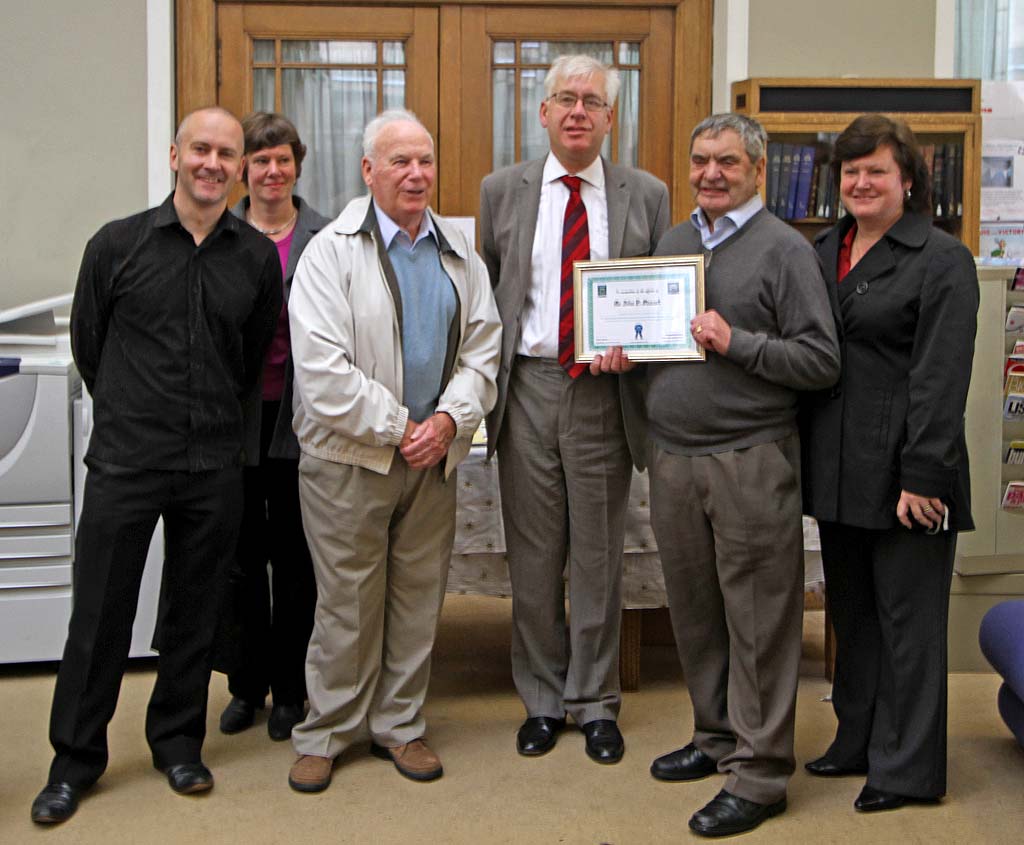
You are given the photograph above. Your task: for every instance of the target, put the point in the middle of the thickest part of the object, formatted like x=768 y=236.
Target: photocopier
x=45 y=422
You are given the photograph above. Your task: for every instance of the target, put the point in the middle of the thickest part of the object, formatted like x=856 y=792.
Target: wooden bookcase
x=812 y=112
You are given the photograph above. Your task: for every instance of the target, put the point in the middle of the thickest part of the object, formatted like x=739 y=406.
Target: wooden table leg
x=629 y=649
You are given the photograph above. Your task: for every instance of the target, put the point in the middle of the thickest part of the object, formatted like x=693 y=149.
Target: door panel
x=454 y=72
x=329 y=70
x=505 y=47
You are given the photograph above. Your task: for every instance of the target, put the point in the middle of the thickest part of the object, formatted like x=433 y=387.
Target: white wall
x=72 y=137
x=840 y=38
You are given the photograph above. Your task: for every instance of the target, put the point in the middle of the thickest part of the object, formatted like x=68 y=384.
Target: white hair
x=580 y=66
x=383 y=119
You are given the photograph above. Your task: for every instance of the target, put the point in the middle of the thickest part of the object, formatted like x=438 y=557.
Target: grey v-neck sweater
x=766 y=282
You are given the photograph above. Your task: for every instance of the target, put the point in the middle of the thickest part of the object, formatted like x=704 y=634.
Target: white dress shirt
x=539 y=338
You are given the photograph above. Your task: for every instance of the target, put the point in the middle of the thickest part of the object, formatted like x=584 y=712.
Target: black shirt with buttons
x=169 y=337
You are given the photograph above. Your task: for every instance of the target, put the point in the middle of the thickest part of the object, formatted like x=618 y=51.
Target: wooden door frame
x=196 y=50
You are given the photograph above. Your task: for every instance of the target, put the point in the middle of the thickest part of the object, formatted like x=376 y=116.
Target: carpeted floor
x=489 y=793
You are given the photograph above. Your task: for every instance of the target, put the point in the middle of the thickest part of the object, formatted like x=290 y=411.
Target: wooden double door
x=472 y=72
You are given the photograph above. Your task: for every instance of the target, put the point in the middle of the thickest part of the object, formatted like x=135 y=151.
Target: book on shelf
x=771 y=193
x=1015 y=453
x=1013 y=497
x=1015 y=319
x=785 y=172
x=1013 y=407
x=938 y=174
x=1014 y=383
x=948 y=182
x=791 y=184
x=958 y=180
x=805 y=171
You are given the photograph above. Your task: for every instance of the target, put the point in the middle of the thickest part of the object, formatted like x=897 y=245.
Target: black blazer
x=283 y=444
x=895 y=420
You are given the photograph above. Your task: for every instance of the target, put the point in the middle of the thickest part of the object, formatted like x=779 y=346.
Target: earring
x=907 y=194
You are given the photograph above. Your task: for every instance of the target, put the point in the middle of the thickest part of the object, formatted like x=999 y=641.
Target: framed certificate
x=644 y=305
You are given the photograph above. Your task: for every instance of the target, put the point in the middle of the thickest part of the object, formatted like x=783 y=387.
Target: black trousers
x=888 y=598
x=271 y=618
x=201 y=512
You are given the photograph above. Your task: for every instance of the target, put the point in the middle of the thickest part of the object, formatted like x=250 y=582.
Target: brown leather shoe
x=415 y=760
x=310 y=773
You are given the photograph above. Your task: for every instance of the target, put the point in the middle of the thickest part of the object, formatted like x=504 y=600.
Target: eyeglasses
x=568 y=100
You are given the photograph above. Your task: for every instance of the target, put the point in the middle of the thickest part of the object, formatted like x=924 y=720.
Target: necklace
x=276 y=231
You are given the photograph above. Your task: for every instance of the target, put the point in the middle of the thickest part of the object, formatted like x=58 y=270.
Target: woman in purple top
x=269 y=618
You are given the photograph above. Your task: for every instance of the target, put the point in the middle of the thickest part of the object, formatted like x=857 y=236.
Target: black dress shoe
x=56 y=802
x=872 y=800
x=727 y=814
x=284 y=717
x=538 y=735
x=189 y=778
x=689 y=763
x=238 y=715
x=604 y=742
x=825 y=768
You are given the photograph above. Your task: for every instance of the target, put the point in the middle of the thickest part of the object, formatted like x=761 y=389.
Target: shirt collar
x=389 y=229
x=167 y=215
x=592 y=174
x=738 y=216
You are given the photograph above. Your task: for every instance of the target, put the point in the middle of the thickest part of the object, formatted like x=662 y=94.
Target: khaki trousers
x=381 y=546
x=730 y=538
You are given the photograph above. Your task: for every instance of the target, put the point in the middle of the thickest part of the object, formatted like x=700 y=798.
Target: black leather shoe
x=604 y=742
x=872 y=800
x=538 y=735
x=284 y=717
x=825 y=768
x=56 y=802
x=689 y=763
x=727 y=814
x=238 y=715
x=189 y=778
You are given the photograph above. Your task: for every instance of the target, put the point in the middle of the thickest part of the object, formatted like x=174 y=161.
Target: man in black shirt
x=173 y=310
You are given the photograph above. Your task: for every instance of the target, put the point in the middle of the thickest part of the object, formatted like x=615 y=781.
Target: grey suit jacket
x=283 y=444
x=638 y=215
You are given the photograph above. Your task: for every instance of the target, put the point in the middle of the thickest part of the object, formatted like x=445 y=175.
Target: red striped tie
x=575 y=247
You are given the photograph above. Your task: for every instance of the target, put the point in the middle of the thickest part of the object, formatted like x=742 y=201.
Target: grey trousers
x=381 y=545
x=730 y=537
x=564 y=470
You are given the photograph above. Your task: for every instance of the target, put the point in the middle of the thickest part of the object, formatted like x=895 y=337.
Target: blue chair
x=1002 y=642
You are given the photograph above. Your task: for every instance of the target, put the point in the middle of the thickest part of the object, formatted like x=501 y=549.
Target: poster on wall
x=1002 y=152
x=1002 y=179
x=1002 y=243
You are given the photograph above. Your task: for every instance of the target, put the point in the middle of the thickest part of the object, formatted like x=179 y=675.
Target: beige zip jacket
x=344 y=316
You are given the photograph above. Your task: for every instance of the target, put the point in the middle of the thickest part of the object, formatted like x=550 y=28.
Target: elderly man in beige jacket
x=395 y=339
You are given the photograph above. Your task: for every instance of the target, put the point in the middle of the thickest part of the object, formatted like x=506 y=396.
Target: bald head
x=206 y=110
x=207 y=156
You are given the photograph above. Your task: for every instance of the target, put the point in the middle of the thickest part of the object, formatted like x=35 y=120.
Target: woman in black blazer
x=268 y=620
x=885 y=464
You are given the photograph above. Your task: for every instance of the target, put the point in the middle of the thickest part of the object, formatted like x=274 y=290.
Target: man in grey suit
x=558 y=430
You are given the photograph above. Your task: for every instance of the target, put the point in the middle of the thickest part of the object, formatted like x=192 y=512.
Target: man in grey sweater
x=725 y=477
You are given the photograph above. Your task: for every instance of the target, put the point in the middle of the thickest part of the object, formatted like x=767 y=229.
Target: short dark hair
x=869 y=132
x=268 y=129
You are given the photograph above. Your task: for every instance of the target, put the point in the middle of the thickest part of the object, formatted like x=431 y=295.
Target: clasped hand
x=425 y=444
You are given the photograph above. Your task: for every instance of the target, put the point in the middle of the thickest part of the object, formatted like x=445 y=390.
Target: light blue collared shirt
x=389 y=229
x=727 y=225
